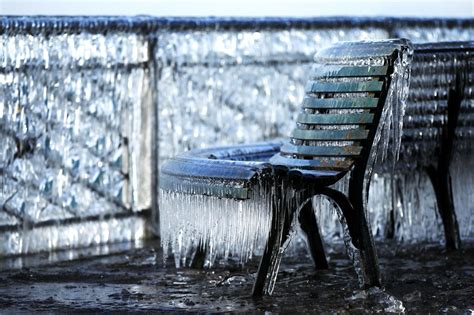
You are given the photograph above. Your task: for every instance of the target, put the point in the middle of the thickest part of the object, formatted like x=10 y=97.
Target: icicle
x=227 y=226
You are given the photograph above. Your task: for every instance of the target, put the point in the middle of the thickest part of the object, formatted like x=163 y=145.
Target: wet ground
x=418 y=279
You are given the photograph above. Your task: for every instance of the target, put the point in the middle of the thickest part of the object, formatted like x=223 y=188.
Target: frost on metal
x=73 y=137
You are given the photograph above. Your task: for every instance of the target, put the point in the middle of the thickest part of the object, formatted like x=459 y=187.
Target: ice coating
x=80 y=234
x=227 y=226
x=185 y=227
x=401 y=205
x=433 y=75
x=73 y=131
x=373 y=54
x=212 y=84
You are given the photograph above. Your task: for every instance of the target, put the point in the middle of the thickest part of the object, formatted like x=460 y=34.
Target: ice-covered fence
x=79 y=98
x=76 y=114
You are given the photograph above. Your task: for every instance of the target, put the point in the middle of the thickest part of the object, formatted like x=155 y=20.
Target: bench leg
x=282 y=218
x=362 y=249
x=440 y=176
x=369 y=266
x=309 y=225
x=441 y=181
x=270 y=253
x=199 y=258
x=369 y=272
x=368 y=256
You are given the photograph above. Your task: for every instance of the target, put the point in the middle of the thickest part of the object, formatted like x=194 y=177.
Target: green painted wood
x=354 y=134
x=348 y=71
x=344 y=87
x=336 y=119
x=321 y=150
x=340 y=103
x=313 y=163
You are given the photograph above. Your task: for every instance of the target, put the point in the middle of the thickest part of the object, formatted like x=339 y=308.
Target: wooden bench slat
x=336 y=119
x=344 y=87
x=339 y=103
x=348 y=71
x=313 y=163
x=353 y=134
x=321 y=150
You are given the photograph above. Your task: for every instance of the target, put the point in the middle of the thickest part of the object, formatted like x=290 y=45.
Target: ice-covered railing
x=216 y=81
x=75 y=132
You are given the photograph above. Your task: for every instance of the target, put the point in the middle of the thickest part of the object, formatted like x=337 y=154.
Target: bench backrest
x=342 y=108
x=437 y=69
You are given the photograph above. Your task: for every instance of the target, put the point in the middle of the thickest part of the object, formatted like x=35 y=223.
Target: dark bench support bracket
x=283 y=215
x=309 y=225
x=439 y=174
x=286 y=207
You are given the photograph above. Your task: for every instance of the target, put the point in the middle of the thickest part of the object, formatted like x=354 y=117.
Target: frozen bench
x=336 y=135
x=439 y=121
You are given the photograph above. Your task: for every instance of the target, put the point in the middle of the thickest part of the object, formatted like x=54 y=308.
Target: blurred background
x=408 y=8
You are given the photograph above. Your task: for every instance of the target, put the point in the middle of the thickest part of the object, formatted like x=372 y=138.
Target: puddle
x=136 y=280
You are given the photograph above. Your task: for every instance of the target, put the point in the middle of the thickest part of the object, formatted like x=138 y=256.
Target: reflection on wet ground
x=418 y=278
